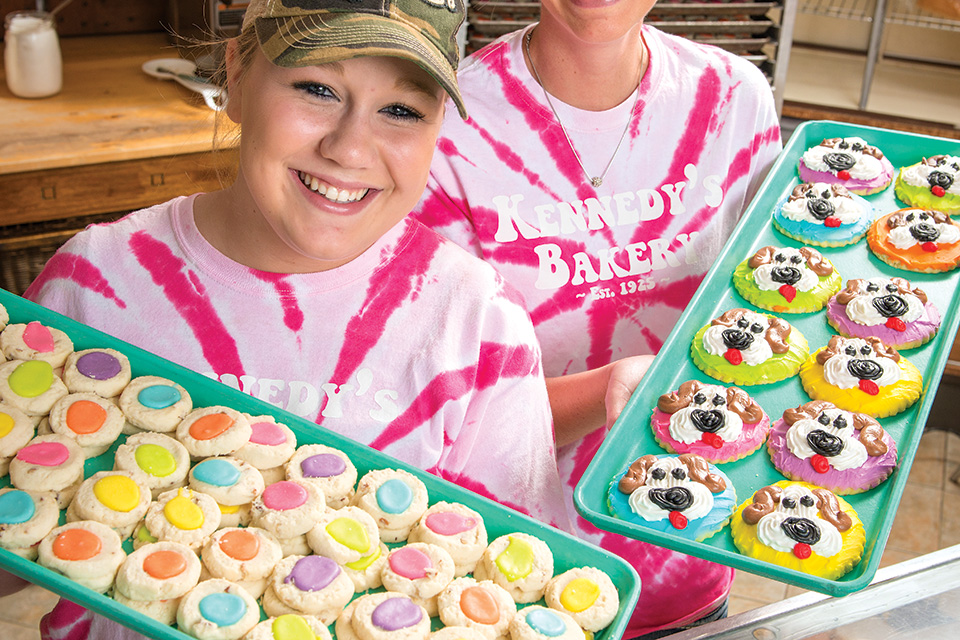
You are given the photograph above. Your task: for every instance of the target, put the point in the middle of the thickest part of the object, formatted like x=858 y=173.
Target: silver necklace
x=596 y=181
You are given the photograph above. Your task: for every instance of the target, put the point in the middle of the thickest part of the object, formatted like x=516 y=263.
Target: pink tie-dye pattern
x=181 y=289
x=292 y=313
x=69 y=266
x=67 y=621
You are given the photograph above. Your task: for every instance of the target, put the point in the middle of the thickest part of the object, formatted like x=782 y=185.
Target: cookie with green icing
x=787 y=280
x=933 y=183
x=746 y=347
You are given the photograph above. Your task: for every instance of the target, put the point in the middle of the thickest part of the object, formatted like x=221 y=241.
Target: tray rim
x=594 y=477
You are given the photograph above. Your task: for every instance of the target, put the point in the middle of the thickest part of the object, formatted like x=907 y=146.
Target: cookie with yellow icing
x=114 y=498
x=916 y=240
x=933 y=183
x=520 y=563
x=862 y=374
x=184 y=516
x=786 y=280
x=745 y=347
x=289 y=626
x=682 y=495
x=587 y=595
x=16 y=430
x=31 y=386
x=843 y=451
x=800 y=526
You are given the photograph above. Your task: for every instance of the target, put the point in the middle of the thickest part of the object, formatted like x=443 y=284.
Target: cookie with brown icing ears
x=916 y=240
x=851 y=162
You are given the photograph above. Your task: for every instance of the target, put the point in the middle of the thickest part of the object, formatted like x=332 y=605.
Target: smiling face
x=331 y=157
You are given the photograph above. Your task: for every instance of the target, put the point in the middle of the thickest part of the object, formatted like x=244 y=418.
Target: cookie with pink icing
x=288 y=508
x=456 y=528
x=721 y=424
x=891 y=309
x=49 y=463
x=419 y=570
x=35 y=341
x=844 y=451
x=852 y=162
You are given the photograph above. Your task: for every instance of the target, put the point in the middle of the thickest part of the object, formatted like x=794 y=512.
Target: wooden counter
x=114 y=139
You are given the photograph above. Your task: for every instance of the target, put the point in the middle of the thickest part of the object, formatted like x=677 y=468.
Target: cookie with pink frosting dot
x=35 y=341
x=456 y=528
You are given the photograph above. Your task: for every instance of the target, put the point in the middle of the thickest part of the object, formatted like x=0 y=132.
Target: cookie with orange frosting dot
x=481 y=605
x=49 y=463
x=916 y=240
x=213 y=431
x=114 y=498
x=520 y=563
x=31 y=386
x=94 y=422
x=87 y=552
x=25 y=518
x=244 y=555
x=154 y=578
x=313 y=585
x=155 y=459
x=587 y=595
x=153 y=403
x=35 y=341
x=105 y=372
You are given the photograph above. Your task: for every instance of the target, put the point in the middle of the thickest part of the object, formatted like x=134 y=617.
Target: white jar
x=32 y=58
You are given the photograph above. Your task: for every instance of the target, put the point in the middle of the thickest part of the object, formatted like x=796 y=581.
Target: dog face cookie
x=680 y=494
x=933 y=183
x=823 y=214
x=891 y=309
x=917 y=240
x=861 y=374
x=800 y=526
x=852 y=162
x=746 y=347
x=844 y=451
x=787 y=280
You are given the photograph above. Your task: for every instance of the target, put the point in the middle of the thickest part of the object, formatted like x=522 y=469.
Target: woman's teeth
x=330 y=192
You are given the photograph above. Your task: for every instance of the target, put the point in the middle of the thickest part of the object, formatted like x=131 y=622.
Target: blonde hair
x=226 y=134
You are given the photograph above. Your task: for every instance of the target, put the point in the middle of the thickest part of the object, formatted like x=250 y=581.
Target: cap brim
x=315 y=39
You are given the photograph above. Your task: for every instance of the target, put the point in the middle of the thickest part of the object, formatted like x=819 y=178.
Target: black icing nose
x=801 y=530
x=826 y=444
x=737 y=339
x=940 y=179
x=785 y=275
x=864 y=369
x=925 y=232
x=839 y=161
x=707 y=421
x=671 y=498
x=890 y=306
x=820 y=209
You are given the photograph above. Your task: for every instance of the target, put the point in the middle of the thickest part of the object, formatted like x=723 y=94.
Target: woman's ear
x=234 y=68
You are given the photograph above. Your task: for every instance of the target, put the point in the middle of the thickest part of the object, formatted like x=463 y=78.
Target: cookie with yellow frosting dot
x=587 y=595
x=520 y=563
x=16 y=430
x=114 y=498
x=184 y=516
x=787 y=280
x=289 y=627
x=346 y=535
x=745 y=347
x=863 y=375
x=800 y=526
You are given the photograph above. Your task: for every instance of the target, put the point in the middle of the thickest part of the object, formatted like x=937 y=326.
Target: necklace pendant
x=596 y=182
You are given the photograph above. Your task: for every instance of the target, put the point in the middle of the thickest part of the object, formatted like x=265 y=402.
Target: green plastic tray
x=568 y=551
x=632 y=437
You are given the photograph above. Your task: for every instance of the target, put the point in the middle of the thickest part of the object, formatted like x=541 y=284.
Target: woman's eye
x=400 y=112
x=315 y=89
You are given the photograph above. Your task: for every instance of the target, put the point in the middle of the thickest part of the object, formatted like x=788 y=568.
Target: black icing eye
x=955 y=166
x=678 y=473
x=718 y=400
x=865 y=350
x=779 y=258
x=850 y=351
x=699 y=398
x=824 y=419
x=796 y=259
x=924 y=217
x=856 y=146
x=806 y=501
x=892 y=288
x=826 y=195
x=789 y=503
x=910 y=217
x=658 y=474
x=873 y=287
x=756 y=327
x=742 y=323
x=840 y=422
x=843 y=145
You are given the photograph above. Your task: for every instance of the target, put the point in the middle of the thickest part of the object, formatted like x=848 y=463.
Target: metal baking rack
x=758 y=31
x=878 y=13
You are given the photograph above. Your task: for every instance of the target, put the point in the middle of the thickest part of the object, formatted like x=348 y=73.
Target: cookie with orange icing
x=800 y=526
x=719 y=423
x=244 y=555
x=87 y=552
x=154 y=578
x=916 y=240
x=862 y=374
x=213 y=431
x=94 y=422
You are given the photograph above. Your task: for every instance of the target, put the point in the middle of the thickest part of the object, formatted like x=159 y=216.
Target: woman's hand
x=625 y=375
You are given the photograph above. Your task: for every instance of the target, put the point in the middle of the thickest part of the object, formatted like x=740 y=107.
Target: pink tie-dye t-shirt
x=607 y=271
x=415 y=347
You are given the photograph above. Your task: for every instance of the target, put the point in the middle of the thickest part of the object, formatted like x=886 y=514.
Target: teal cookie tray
x=568 y=551
x=632 y=437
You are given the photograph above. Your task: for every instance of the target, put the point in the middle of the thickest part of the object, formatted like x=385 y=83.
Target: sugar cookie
x=152 y=403
x=536 y=622
x=25 y=518
x=31 y=386
x=481 y=605
x=346 y=534
x=454 y=527
x=155 y=459
x=289 y=627
x=16 y=430
x=49 y=463
x=114 y=498
x=154 y=578
x=288 y=508
x=313 y=585
x=242 y=555
x=87 y=552
x=395 y=498
x=217 y=610
x=328 y=468
x=270 y=446
x=419 y=570
x=94 y=422
x=228 y=480
x=587 y=595
x=389 y=616
x=105 y=372
x=213 y=431
x=36 y=341
x=520 y=563
x=366 y=573
x=184 y=516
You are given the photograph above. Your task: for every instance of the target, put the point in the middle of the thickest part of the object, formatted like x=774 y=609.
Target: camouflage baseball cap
x=296 y=33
